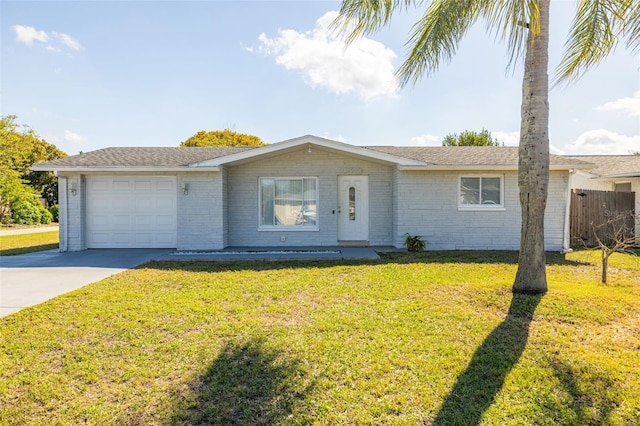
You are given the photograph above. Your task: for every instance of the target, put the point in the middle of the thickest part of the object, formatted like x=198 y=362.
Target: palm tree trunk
x=533 y=163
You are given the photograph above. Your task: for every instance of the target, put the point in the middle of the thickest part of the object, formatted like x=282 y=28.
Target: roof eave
x=313 y=141
x=620 y=176
x=472 y=167
x=122 y=169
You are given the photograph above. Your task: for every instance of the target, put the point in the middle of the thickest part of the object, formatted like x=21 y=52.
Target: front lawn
x=433 y=339
x=11 y=245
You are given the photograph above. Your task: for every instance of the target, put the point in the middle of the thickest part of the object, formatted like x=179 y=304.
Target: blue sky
x=87 y=75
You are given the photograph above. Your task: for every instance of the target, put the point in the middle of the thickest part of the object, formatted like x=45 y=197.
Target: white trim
x=125 y=169
x=474 y=167
x=291 y=228
x=566 y=234
x=313 y=141
x=482 y=207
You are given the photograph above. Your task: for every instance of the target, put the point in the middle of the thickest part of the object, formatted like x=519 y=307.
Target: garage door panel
x=143 y=239
x=164 y=238
x=121 y=185
x=164 y=186
x=101 y=203
x=99 y=220
x=143 y=185
x=144 y=220
x=131 y=211
x=165 y=220
x=121 y=220
x=122 y=238
x=99 y=185
x=120 y=203
x=100 y=238
x=144 y=202
x=165 y=202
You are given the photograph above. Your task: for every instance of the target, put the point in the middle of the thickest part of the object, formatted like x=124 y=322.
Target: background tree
x=470 y=138
x=617 y=235
x=224 y=137
x=524 y=24
x=21 y=148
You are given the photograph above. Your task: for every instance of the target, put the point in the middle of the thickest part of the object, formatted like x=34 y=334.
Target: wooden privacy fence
x=592 y=209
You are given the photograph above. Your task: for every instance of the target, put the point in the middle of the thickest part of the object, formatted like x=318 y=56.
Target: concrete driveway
x=30 y=279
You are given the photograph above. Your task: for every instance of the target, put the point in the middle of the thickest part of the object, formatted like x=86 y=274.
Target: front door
x=353 y=208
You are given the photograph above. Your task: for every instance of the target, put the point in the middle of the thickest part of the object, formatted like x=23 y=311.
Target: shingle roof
x=611 y=165
x=144 y=157
x=183 y=156
x=468 y=155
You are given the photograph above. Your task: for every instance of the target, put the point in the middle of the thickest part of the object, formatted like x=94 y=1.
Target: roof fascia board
x=313 y=140
x=619 y=176
x=465 y=167
x=124 y=169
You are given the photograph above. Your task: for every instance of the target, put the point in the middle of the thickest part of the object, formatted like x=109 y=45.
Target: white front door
x=353 y=208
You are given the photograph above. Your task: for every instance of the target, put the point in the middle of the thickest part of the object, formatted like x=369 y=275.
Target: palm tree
x=524 y=24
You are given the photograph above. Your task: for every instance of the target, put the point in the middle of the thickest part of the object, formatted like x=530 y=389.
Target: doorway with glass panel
x=353 y=210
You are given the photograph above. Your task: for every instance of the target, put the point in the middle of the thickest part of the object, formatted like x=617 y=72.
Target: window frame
x=480 y=206
x=295 y=228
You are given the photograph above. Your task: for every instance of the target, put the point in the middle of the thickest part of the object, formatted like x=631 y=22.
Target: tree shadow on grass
x=477 y=387
x=587 y=396
x=247 y=384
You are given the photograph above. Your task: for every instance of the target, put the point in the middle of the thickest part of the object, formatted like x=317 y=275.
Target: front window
x=288 y=203
x=481 y=192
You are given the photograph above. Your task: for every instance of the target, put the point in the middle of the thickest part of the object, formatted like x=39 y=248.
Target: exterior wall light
x=74 y=190
x=185 y=188
x=309 y=149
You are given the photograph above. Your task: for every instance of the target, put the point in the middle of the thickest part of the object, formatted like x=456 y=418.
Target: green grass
x=435 y=338
x=11 y=245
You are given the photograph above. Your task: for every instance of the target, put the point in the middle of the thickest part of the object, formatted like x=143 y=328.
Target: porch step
x=353 y=243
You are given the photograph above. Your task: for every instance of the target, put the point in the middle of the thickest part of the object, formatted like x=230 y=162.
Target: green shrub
x=414 y=243
x=27 y=209
x=45 y=216
x=54 y=210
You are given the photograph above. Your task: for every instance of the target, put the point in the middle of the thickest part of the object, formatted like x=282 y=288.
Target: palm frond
x=512 y=20
x=592 y=36
x=363 y=17
x=434 y=38
x=631 y=30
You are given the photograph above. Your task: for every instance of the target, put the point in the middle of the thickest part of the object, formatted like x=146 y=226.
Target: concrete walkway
x=276 y=253
x=19 y=231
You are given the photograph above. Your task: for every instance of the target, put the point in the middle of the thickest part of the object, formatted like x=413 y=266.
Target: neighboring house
x=617 y=173
x=307 y=191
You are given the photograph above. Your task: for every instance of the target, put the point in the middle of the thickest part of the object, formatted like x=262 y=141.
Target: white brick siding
x=242 y=193
x=221 y=208
x=201 y=211
x=427 y=205
x=580 y=180
x=71 y=212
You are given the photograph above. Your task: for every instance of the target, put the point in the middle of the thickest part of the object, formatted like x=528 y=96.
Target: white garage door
x=131 y=212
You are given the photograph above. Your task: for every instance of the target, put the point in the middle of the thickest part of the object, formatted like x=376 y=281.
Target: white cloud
x=426 y=140
x=74 y=138
x=338 y=138
x=604 y=142
x=629 y=106
x=365 y=67
x=28 y=35
x=55 y=42
x=508 y=138
x=68 y=41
